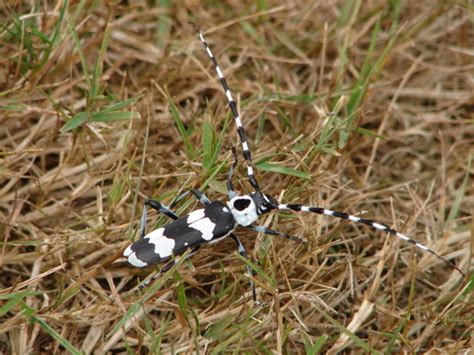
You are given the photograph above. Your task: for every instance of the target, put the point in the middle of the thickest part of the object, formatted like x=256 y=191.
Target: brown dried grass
x=70 y=201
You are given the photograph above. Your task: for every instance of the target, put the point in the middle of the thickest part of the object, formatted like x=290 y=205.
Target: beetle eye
x=241 y=204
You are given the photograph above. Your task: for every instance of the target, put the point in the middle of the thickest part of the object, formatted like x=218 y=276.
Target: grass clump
x=354 y=106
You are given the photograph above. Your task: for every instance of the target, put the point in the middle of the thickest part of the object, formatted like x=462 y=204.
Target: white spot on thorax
x=248 y=215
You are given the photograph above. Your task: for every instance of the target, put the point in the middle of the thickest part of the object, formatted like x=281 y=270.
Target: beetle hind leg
x=158 y=206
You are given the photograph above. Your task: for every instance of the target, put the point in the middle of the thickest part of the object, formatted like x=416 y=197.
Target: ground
x=364 y=107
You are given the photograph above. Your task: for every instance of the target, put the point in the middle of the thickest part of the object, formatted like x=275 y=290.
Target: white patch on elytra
x=195 y=215
x=163 y=246
x=132 y=259
x=205 y=226
x=157 y=233
x=248 y=215
x=128 y=251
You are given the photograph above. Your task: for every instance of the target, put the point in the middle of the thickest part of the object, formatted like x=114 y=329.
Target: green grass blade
x=151 y=290
x=190 y=151
x=469 y=286
x=114 y=116
x=116 y=192
x=218 y=145
x=268 y=280
x=216 y=331
x=75 y=122
x=349 y=9
x=56 y=35
x=156 y=343
x=316 y=347
x=108 y=114
x=367 y=68
x=461 y=194
x=42 y=36
x=96 y=89
x=164 y=23
x=355 y=339
x=181 y=297
x=14 y=107
x=207 y=145
x=82 y=56
x=30 y=313
x=275 y=168
x=369 y=133
x=120 y=104
x=14 y=299
x=212 y=175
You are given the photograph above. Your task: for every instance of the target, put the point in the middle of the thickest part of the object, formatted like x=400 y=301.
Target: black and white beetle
x=218 y=220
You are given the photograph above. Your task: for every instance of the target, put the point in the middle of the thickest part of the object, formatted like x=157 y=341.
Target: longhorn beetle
x=218 y=220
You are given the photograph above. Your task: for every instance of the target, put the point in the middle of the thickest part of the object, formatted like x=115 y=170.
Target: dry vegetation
x=365 y=107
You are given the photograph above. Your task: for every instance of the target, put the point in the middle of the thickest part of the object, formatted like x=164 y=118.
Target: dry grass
x=396 y=147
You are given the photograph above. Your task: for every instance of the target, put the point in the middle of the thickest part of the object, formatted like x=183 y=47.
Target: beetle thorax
x=243 y=209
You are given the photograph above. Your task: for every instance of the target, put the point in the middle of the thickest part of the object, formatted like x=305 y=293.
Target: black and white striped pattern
x=233 y=107
x=368 y=222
